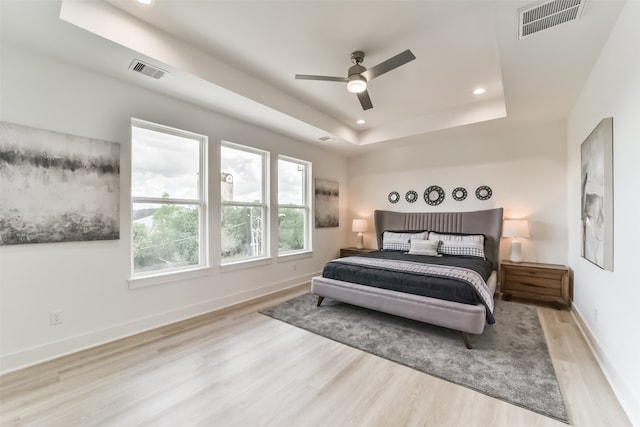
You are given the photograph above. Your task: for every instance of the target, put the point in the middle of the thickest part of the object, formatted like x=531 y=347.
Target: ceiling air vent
x=540 y=16
x=325 y=138
x=146 y=69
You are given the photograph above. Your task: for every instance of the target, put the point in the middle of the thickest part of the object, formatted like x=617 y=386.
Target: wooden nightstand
x=354 y=251
x=542 y=282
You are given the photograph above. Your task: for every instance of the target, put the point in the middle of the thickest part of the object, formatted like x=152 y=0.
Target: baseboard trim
x=53 y=350
x=630 y=403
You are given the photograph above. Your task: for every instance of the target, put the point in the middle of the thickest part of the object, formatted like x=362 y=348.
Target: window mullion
x=244 y=204
x=292 y=206
x=166 y=201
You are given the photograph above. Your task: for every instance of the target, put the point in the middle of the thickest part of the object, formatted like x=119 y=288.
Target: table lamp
x=358 y=226
x=515 y=228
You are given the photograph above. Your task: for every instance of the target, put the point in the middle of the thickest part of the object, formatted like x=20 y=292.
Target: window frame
x=148 y=278
x=265 y=205
x=306 y=188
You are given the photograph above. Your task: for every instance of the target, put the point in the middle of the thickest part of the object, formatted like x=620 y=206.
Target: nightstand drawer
x=532 y=272
x=534 y=289
x=535 y=280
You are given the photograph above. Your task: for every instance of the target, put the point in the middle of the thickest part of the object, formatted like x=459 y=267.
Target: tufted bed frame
x=466 y=318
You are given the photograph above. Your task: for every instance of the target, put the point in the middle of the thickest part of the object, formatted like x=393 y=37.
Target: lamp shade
x=515 y=228
x=359 y=225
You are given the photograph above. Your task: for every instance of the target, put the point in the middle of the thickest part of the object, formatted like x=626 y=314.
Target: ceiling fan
x=358 y=76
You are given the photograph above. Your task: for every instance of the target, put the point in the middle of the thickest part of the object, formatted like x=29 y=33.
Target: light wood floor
x=239 y=368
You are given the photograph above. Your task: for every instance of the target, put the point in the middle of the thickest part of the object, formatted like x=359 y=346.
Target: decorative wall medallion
x=411 y=196
x=483 y=192
x=459 y=194
x=394 y=196
x=434 y=195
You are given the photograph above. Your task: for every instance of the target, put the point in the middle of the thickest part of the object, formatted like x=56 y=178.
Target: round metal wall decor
x=434 y=195
x=459 y=194
x=394 y=197
x=411 y=196
x=483 y=192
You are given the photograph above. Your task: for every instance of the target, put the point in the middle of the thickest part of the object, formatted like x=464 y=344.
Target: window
x=293 y=205
x=168 y=199
x=243 y=196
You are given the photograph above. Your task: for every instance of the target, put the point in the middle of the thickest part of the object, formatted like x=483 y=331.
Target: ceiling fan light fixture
x=356 y=84
x=358 y=76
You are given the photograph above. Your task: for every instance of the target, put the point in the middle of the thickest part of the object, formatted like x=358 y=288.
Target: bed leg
x=467 y=340
x=320 y=299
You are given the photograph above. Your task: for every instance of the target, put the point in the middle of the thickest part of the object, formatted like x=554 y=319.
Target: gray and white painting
x=326 y=203
x=597 y=195
x=57 y=187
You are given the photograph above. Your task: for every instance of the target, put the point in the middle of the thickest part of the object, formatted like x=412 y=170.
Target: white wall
x=88 y=281
x=525 y=168
x=612 y=90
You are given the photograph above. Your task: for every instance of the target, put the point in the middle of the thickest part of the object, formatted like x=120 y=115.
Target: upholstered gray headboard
x=487 y=222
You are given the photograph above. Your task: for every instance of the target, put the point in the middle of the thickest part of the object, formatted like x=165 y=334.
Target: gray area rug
x=510 y=360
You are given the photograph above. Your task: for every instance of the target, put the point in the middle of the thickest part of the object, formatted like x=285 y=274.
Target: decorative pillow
x=399 y=241
x=455 y=247
x=424 y=247
x=458 y=237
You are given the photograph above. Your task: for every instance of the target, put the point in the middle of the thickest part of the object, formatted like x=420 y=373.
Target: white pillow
x=398 y=241
x=424 y=247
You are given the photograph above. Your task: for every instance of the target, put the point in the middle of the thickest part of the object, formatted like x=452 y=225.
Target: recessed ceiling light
x=146 y=2
x=360 y=121
x=478 y=91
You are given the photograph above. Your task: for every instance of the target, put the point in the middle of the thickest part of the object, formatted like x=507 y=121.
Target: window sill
x=241 y=265
x=162 y=278
x=294 y=256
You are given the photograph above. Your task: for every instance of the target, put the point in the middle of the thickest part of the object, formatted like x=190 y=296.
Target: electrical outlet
x=55 y=317
x=295 y=267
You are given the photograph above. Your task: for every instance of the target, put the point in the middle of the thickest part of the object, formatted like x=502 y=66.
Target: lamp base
x=359 y=241
x=515 y=251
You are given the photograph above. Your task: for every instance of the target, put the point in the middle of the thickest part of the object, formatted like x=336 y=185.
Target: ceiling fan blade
x=324 y=78
x=365 y=101
x=388 y=65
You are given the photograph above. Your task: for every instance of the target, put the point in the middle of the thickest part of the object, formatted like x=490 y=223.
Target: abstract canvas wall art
x=57 y=187
x=326 y=203
x=597 y=195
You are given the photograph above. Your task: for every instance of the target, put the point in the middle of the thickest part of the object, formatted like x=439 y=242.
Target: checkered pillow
x=458 y=237
x=455 y=247
x=460 y=244
x=398 y=241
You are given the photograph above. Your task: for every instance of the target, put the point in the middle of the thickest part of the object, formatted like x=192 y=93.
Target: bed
x=469 y=317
